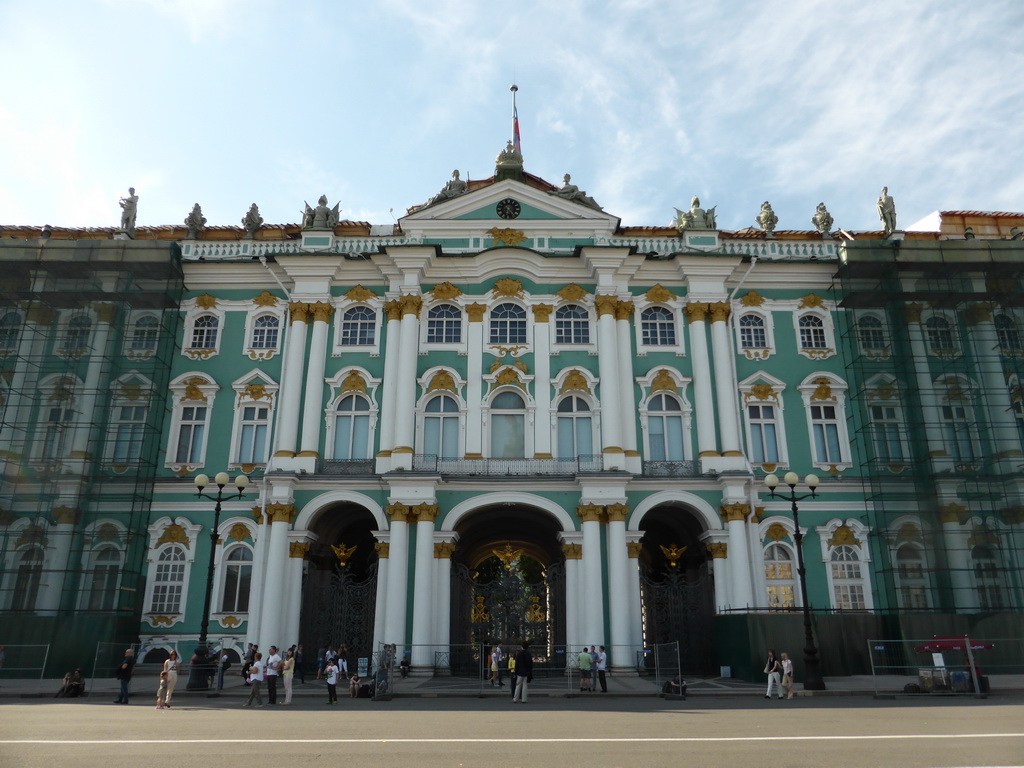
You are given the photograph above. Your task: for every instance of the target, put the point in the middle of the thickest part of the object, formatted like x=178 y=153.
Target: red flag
x=515 y=129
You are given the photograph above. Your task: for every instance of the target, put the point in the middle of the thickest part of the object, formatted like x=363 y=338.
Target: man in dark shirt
x=124 y=674
x=524 y=672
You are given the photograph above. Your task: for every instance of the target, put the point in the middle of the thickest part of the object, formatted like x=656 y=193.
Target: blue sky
x=644 y=102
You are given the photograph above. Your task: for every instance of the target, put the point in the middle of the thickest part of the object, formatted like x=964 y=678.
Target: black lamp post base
x=813 y=681
x=199 y=671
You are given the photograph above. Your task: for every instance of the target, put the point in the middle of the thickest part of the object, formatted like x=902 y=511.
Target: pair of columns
x=724 y=389
x=614 y=359
x=398 y=406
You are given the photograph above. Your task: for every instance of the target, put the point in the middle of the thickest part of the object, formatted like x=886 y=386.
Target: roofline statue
x=320 y=217
x=695 y=218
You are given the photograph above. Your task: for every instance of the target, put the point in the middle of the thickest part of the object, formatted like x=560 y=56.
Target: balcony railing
x=671 y=468
x=507 y=467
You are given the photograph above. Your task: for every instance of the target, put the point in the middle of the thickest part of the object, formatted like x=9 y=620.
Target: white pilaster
x=398 y=564
x=929 y=403
x=273 y=621
x=735 y=515
x=608 y=366
x=573 y=550
x=719 y=551
x=474 y=380
x=958 y=559
x=636 y=625
x=291 y=383
x=383 y=547
x=703 y=401
x=423 y=591
x=627 y=386
x=298 y=549
x=592 y=590
x=542 y=384
x=58 y=548
x=619 y=614
x=312 y=404
x=259 y=575
x=444 y=546
x=18 y=408
x=405 y=404
x=726 y=387
x=86 y=405
x=389 y=389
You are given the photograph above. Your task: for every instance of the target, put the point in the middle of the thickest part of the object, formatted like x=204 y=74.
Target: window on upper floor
x=508 y=426
x=508 y=324
x=939 y=334
x=657 y=327
x=237 y=579
x=358 y=327
x=253 y=426
x=78 y=334
x=828 y=436
x=847 y=576
x=762 y=420
x=1008 y=335
x=28 y=579
x=129 y=431
x=575 y=428
x=987 y=577
x=665 y=429
x=444 y=324
x=10 y=331
x=812 y=333
x=103 y=577
x=266 y=330
x=911 y=577
x=441 y=422
x=779 y=576
x=168 y=581
x=352 y=429
x=205 y=330
x=872 y=336
x=145 y=334
x=887 y=433
x=572 y=325
x=191 y=443
x=958 y=432
x=753 y=334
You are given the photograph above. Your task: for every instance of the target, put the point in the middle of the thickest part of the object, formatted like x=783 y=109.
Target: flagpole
x=515 y=119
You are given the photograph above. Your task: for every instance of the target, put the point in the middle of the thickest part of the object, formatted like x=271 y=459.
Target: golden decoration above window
x=508 y=286
x=510 y=237
x=238 y=532
x=823 y=391
x=130 y=392
x=884 y=392
x=360 y=294
x=571 y=292
x=446 y=291
x=672 y=554
x=575 y=381
x=762 y=392
x=343 y=553
x=752 y=299
x=257 y=391
x=659 y=294
x=955 y=390
x=664 y=382
x=508 y=377
x=31 y=534
x=108 y=532
x=442 y=380
x=229 y=622
x=62 y=391
x=193 y=391
x=843 y=536
x=265 y=299
x=206 y=301
x=776 y=532
x=354 y=382
x=811 y=301
x=173 y=534
x=909 y=532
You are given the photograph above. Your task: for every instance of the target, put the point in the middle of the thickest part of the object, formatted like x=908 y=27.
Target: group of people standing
x=780 y=675
x=274 y=669
x=590 y=662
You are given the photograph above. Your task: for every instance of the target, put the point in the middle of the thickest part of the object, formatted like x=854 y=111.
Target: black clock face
x=508 y=208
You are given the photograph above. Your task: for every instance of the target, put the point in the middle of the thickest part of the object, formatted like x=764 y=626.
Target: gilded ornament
x=521 y=366
x=229 y=622
x=442 y=380
x=424 y=513
x=174 y=534
x=443 y=550
x=982 y=535
x=265 y=299
x=280 y=513
x=733 y=512
x=63 y=391
x=509 y=237
x=298 y=311
x=572 y=551
x=399 y=513
x=624 y=309
x=589 y=513
x=542 y=312
x=321 y=311
x=108 y=532
x=762 y=392
x=360 y=294
x=811 y=301
x=673 y=554
x=823 y=391
x=616 y=513
x=354 y=382
x=446 y=291
x=507 y=286
x=507 y=555
x=65 y=515
x=664 y=382
x=909 y=532
x=659 y=294
x=393 y=310
x=31 y=534
x=206 y=301
x=343 y=553
x=479 y=613
x=534 y=614
x=843 y=536
x=776 y=532
x=383 y=549
x=696 y=312
x=105 y=313
x=411 y=305
x=575 y=381
x=156 y=621
x=193 y=393
x=752 y=299
x=605 y=305
x=912 y=313
x=634 y=549
x=954 y=390
x=884 y=392
x=238 y=532
x=571 y=292
x=476 y=312
x=257 y=391
x=718 y=549
x=719 y=311
x=131 y=392
x=508 y=377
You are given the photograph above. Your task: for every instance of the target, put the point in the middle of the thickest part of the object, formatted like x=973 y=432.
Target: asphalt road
x=585 y=732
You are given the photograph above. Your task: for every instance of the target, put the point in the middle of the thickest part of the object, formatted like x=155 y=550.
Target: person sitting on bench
x=72 y=687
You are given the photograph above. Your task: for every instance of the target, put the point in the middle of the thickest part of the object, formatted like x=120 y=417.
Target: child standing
x=331 y=672
x=161 y=692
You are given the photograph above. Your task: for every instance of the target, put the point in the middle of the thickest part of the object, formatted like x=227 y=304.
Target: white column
x=444 y=546
x=405 y=405
x=474 y=380
x=86 y=405
x=636 y=622
x=542 y=383
x=259 y=576
x=298 y=550
x=312 y=405
x=55 y=566
x=380 y=607
x=719 y=552
x=389 y=388
x=756 y=556
x=703 y=401
x=618 y=586
x=735 y=516
x=608 y=366
x=627 y=386
x=15 y=431
x=423 y=590
x=925 y=386
x=573 y=552
x=592 y=588
x=725 y=380
x=398 y=564
x=995 y=392
x=272 y=621
x=958 y=559
x=291 y=383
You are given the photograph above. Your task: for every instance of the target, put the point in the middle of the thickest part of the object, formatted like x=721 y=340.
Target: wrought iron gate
x=338 y=608
x=680 y=609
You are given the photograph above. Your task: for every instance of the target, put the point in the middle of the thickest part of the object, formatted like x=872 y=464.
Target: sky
x=645 y=102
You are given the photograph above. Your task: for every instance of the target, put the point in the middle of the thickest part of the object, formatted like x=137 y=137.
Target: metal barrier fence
x=660 y=661
x=949 y=666
x=22 y=661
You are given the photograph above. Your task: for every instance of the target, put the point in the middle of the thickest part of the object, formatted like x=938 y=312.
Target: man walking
x=524 y=673
x=273 y=674
x=601 y=662
x=124 y=674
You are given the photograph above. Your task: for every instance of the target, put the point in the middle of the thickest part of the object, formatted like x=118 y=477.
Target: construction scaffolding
x=933 y=344
x=87 y=333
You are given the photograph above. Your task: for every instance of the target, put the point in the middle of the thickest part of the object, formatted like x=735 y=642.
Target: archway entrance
x=339 y=589
x=508 y=583
x=677 y=587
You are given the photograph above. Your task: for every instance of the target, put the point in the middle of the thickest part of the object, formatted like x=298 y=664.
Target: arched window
x=665 y=429
x=145 y=334
x=27 y=580
x=441 y=427
x=129 y=428
x=352 y=429
x=913 y=583
x=872 y=334
x=103 y=579
x=752 y=332
x=204 y=332
x=940 y=336
x=987 y=577
x=508 y=324
x=812 y=332
x=1008 y=335
x=508 y=426
x=575 y=428
x=657 y=327
x=778 y=573
x=10 y=331
x=79 y=329
x=265 y=332
x=358 y=327
x=168 y=581
x=572 y=325
x=444 y=324
x=847 y=579
x=237 y=579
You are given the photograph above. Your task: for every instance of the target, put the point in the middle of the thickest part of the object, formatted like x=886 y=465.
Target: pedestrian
x=222 y=667
x=499 y=661
x=602 y=668
x=787 y=675
x=161 y=692
x=287 y=675
x=298 y=664
x=331 y=673
x=247 y=660
x=512 y=673
x=255 y=678
x=124 y=674
x=524 y=673
x=586 y=662
x=171 y=666
x=321 y=662
x=773 y=668
x=273 y=672
x=342 y=662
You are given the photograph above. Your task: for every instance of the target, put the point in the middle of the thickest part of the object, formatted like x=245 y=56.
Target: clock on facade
x=508 y=208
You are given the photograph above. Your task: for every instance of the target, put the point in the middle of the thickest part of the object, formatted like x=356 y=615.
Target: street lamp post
x=199 y=672
x=813 y=680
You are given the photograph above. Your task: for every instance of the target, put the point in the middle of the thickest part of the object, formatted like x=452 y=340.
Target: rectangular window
x=764 y=441
x=956 y=431
x=825 y=426
x=253 y=435
x=885 y=426
x=131 y=427
x=190 y=435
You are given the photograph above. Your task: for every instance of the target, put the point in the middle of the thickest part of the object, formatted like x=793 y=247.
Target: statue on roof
x=252 y=221
x=822 y=220
x=455 y=187
x=887 y=211
x=695 y=218
x=195 y=222
x=767 y=220
x=129 y=207
x=320 y=217
x=570 y=191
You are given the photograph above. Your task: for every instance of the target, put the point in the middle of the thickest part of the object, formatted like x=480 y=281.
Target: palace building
x=511 y=416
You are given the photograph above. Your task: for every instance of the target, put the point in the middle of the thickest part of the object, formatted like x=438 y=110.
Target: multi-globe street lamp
x=199 y=672
x=813 y=680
